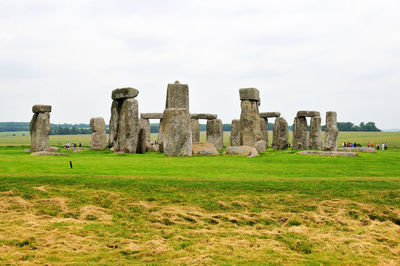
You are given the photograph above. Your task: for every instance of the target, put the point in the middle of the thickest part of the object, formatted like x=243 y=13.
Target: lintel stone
x=308 y=113
x=249 y=94
x=269 y=114
x=124 y=93
x=203 y=116
x=151 y=115
x=38 y=108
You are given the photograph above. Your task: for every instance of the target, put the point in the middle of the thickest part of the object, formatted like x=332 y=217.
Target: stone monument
x=40 y=128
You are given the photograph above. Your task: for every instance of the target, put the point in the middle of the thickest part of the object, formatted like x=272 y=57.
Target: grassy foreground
x=277 y=208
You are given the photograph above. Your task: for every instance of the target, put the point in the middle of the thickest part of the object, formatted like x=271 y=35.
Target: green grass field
x=278 y=208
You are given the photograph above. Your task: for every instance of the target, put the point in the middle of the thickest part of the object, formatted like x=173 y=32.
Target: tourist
x=377 y=146
x=385 y=146
x=344 y=144
x=80 y=145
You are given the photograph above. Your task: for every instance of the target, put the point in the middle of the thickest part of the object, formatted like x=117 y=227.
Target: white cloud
x=323 y=55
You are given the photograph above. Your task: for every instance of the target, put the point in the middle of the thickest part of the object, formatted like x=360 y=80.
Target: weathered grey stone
x=99 y=135
x=329 y=153
x=269 y=114
x=215 y=134
x=331 y=132
x=358 y=149
x=40 y=130
x=280 y=134
x=151 y=115
x=195 y=130
x=234 y=139
x=113 y=126
x=249 y=127
x=264 y=129
x=38 y=108
x=300 y=133
x=47 y=153
x=261 y=146
x=177 y=95
x=124 y=93
x=128 y=126
x=160 y=136
x=249 y=94
x=315 y=135
x=177 y=132
x=142 y=141
x=55 y=149
x=242 y=150
x=203 y=116
x=204 y=149
x=308 y=113
x=145 y=124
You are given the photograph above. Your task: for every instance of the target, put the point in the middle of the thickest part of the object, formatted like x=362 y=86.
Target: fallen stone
x=27 y=150
x=47 y=153
x=55 y=149
x=358 y=149
x=329 y=153
x=249 y=94
x=151 y=115
x=269 y=114
x=124 y=93
x=177 y=96
x=38 y=108
x=203 y=116
x=177 y=132
x=261 y=146
x=242 y=150
x=308 y=113
x=204 y=149
x=215 y=134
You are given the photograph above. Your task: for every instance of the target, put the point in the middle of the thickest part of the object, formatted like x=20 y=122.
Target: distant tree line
x=74 y=129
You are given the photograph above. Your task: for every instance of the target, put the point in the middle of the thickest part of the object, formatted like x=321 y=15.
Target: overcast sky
x=301 y=55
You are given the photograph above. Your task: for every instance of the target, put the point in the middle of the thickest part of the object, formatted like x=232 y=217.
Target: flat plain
x=280 y=207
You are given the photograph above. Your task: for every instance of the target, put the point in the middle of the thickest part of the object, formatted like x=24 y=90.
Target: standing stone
x=177 y=96
x=315 y=141
x=128 y=126
x=40 y=128
x=195 y=130
x=300 y=133
x=145 y=125
x=142 y=141
x=234 y=139
x=113 y=127
x=264 y=129
x=160 y=136
x=177 y=132
x=281 y=134
x=215 y=133
x=331 y=132
x=99 y=135
x=249 y=127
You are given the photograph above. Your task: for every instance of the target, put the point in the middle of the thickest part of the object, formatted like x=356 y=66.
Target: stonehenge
x=145 y=124
x=249 y=125
x=40 y=128
x=196 y=126
x=331 y=132
x=176 y=125
x=124 y=121
x=99 y=136
x=302 y=139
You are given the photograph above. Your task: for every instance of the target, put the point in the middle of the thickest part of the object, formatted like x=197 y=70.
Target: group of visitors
x=383 y=146
x=351 y=145
x=155 y=142
x=72 y=145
